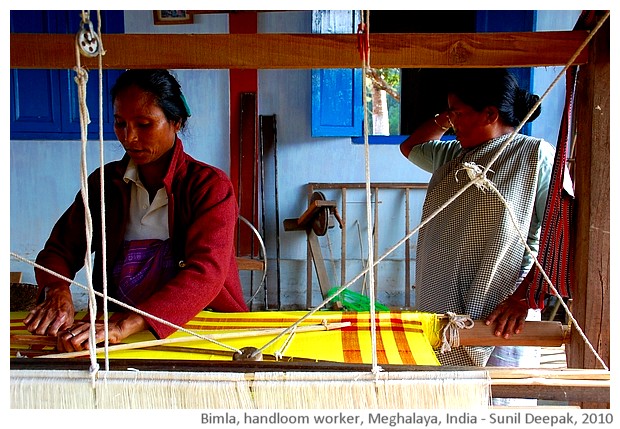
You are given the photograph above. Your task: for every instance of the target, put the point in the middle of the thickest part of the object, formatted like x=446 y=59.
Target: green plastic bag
x=354 y=301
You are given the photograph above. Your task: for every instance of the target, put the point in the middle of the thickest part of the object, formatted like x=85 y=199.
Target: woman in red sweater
x=170 y=223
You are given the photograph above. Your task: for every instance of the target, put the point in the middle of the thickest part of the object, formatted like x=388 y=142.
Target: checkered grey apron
x=469 y=256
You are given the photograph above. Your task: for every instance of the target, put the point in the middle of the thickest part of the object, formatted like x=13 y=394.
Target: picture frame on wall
x=172 y=17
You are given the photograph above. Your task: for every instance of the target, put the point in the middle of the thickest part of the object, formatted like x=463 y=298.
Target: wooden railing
x=407 y=220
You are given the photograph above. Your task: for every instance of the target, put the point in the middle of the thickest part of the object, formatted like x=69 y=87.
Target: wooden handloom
x=418 y=50
x=406 y=342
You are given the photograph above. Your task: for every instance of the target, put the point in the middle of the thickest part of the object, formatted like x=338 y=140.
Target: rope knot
x=450 y=333
x=94 y=373
x=476 y=174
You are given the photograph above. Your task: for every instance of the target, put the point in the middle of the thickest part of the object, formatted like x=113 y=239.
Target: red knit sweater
x=202 y=215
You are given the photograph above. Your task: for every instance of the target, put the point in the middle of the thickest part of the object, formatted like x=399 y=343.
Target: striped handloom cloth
x=404 y=338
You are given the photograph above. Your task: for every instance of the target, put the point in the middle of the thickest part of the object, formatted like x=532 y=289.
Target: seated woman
x=170 y=223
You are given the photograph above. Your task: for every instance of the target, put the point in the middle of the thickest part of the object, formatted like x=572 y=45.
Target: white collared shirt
x=146 y=220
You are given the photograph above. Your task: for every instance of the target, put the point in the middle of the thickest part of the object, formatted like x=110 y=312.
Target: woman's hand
x=509 y=317
x=120 y=326
x=54 y=314
x=432 y=129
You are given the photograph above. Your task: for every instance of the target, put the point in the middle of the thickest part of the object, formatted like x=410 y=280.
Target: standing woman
x=470 y=258
x=170 y=223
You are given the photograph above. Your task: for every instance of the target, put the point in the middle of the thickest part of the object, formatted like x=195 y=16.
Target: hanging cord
x=101 y=53
x=364 y=49
x=363 y=31
x=81 y=80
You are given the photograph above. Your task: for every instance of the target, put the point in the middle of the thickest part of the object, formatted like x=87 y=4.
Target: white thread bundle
x=129 y=390
x=266 y=390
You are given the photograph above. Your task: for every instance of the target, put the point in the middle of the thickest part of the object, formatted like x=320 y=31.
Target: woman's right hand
x=433 y=129
x=55 y=314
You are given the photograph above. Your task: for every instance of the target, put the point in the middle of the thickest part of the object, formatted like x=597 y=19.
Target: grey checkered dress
x=469 y=256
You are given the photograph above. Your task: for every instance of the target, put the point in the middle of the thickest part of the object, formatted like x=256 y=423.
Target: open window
x=409 y=96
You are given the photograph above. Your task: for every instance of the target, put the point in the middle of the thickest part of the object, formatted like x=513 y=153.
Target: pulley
x=320 y=223
x=87 y=39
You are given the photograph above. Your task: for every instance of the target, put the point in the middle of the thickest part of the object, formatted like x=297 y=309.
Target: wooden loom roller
x=544 y=334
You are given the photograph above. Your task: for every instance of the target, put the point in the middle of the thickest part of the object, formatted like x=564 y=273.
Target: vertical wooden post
x=244 y=130
x=591 y=303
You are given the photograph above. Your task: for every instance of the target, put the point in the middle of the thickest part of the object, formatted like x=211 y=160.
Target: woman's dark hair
x=164 y=87
x=480 y=88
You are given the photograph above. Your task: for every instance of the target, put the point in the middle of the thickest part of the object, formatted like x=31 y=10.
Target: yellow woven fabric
x=402 y=337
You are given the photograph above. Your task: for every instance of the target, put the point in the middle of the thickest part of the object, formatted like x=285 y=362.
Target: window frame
x=486 y=21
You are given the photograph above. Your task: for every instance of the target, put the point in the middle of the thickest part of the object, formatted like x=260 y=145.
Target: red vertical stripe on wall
x=243 y=167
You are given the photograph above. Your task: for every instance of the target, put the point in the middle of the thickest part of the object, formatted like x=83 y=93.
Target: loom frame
x=591 y=303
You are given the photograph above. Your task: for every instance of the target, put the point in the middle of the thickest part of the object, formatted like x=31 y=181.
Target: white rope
x=450 y=333
x=280 y=353
x=485 y=183
x=100 y=55
x=81 y=80
x=479 y=179
x=369 y=220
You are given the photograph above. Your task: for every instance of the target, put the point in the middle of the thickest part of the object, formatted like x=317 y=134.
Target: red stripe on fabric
x=350 y=340
x=382 y=358
x=400 y=337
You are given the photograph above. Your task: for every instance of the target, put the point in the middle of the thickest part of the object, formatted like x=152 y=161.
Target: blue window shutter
x=336 y=102
x=44 y=103
x=337 y=109
x=34 y=102
x=35 y=99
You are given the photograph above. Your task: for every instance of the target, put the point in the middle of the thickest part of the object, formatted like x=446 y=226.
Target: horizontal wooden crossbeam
x=545 y=334
x=302 y=51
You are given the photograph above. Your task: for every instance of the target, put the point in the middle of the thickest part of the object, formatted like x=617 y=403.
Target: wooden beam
x=246 y=263
x=302 y=51
x=544 y=334
x=563 y=390
x=304 y=222
x=591 y=303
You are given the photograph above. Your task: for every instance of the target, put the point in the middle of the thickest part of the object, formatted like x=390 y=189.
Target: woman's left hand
x=509 y=317
x=120 y=326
